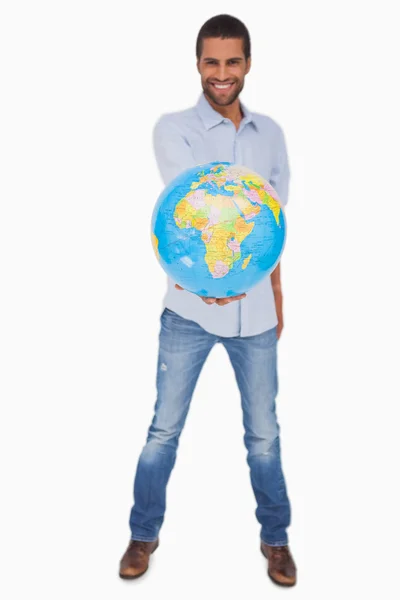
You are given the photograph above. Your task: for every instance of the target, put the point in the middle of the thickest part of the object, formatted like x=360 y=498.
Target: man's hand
x=279 y=326
x=277 y=289
x=223 y=301
x=219 y=301
x=279 y=308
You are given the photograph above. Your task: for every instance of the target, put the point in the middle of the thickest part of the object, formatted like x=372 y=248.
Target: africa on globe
x=218 y=229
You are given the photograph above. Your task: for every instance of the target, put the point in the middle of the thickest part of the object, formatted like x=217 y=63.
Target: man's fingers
x=224 y=301
x=208 y=300
x=204 y=298
x=219 y=301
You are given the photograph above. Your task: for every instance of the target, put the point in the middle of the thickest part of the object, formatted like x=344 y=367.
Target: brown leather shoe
x=135 y=561
x=281 y=567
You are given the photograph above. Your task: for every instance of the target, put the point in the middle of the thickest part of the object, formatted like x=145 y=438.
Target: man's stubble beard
x=208 y=92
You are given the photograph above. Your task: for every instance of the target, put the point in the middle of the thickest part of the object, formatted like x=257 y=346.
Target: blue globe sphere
x=218 y=229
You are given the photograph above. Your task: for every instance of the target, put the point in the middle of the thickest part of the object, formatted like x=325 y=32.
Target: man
x=218 y=128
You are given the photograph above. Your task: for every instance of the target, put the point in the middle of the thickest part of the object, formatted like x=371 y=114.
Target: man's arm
x=280 y=175
x=280 y=172
x=276 y=279
x=278 y=297
x=173 y=152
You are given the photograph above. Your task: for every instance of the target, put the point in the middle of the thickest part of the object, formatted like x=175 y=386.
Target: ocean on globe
x=218 y=229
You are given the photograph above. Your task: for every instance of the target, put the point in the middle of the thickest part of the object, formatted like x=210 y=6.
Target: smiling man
x=218 y=128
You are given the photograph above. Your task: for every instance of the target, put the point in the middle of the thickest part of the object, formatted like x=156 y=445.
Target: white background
x=82 y=85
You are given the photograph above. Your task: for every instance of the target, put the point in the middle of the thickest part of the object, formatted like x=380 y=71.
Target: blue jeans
x=183 y=349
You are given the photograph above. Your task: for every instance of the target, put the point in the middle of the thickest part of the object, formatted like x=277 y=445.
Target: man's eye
x=232 y=62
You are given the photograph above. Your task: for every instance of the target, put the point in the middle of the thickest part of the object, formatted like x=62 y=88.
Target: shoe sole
x=283 y=584
x=139 y=574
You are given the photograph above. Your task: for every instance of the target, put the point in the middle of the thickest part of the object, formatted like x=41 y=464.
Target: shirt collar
x=211 y=117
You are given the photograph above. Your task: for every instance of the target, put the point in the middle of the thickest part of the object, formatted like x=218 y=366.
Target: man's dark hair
x=223 y=26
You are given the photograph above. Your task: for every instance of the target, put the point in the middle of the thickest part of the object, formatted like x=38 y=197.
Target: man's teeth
x=222 y=87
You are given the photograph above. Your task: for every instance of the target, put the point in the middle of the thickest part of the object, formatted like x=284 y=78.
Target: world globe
x=218 y=229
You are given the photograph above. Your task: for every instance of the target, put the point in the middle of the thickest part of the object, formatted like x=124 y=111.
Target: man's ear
x=198 y=65
x=248 y=66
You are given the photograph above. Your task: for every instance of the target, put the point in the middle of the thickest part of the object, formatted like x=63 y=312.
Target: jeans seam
x=140 y=538
x=282 y=543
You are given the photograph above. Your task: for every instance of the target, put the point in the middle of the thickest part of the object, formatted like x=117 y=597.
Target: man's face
x=222 y=61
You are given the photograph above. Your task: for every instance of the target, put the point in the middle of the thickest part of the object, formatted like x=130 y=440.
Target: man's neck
x=232 y=111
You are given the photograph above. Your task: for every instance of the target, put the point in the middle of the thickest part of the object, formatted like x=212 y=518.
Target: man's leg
x=254 y=360
x=183 y=349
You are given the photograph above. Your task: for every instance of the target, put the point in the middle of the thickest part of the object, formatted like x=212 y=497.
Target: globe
x=218 y=229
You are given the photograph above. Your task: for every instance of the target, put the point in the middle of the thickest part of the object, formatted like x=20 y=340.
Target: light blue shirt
x=200 y=135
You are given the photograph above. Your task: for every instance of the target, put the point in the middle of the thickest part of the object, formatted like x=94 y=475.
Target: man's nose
x=222 y=73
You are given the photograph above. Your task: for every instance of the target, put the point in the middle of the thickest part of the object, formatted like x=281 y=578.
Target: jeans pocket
x=166 y=313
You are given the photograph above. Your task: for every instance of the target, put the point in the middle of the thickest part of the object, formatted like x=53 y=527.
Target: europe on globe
x=218 y=229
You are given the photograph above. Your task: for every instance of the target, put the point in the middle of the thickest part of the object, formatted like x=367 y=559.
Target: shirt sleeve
x=172 y=150
x=280 y=173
